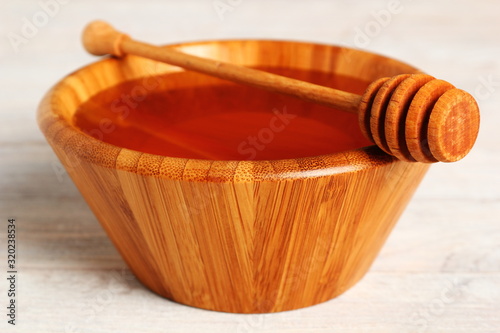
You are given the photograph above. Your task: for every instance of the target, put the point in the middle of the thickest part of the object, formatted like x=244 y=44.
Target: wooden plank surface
x=439 y=270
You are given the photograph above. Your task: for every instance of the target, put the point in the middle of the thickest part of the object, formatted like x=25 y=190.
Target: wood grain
x=235 y=236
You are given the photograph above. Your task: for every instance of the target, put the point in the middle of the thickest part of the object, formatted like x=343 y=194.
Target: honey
x=221 y=120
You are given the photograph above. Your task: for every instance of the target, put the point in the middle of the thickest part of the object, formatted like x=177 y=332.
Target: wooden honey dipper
x=413 y=117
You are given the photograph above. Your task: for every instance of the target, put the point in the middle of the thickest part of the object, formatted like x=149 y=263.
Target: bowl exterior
x=236 y=236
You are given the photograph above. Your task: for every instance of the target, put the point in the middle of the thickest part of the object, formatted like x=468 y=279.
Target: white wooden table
x=439 y=270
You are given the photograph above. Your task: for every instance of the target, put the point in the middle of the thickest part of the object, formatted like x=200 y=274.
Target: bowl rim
x=60 y=133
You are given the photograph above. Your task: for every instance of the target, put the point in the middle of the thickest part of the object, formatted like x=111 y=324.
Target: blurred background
x=439 y=270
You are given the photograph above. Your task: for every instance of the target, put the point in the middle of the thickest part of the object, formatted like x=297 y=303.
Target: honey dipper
x=413 y=117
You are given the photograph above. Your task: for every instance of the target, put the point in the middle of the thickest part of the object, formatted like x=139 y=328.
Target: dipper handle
x=100 y=38
x=412 y=117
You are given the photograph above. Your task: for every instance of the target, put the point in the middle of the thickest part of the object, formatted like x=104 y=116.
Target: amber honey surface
x=222 y=121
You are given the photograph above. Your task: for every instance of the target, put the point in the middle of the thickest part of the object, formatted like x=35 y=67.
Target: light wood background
x=438 y=272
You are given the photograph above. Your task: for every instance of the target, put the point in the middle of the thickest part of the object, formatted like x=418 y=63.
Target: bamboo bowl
x=235 y=234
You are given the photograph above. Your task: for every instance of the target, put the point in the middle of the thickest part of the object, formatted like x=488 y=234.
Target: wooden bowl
x=215 y=227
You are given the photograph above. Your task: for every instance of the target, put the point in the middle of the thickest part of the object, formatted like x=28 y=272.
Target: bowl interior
x=209 y=119
x=151 y=118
